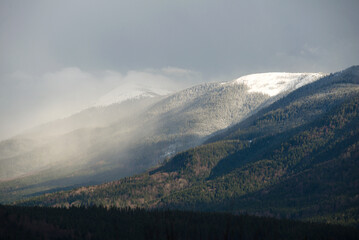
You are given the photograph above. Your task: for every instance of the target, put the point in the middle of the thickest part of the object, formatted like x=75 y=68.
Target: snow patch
x=276 y=82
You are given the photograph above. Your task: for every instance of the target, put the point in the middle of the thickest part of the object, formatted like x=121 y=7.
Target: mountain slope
x=119 y=141
x=295 y=158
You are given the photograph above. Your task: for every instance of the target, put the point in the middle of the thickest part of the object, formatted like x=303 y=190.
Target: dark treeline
x=101 y=223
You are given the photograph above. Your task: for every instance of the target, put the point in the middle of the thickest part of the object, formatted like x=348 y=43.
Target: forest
x=114 y=223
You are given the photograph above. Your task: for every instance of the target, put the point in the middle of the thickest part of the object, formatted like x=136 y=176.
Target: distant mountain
x=125 y=93
x=130 y=133
x=296 y=158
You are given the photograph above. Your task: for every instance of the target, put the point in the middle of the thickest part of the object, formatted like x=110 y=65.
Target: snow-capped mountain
x=302 y=149
x=124 y=93
x=119 y=137
x=274 y=83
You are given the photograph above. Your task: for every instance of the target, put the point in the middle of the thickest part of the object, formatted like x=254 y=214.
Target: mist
x=30 y=100
x=58 y=57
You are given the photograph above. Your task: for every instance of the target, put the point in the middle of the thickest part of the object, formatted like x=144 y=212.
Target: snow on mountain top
x=271 y=84
x=276 y=82
x=124 y=93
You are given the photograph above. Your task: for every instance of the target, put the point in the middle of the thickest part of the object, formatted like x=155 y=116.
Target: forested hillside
x=109 y=142
x=297 y=158
x=118 y=140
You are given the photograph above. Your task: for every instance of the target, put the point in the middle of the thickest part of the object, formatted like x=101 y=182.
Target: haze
x=59 y=57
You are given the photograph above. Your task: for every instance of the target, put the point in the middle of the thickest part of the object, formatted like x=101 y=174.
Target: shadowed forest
x=101 y=223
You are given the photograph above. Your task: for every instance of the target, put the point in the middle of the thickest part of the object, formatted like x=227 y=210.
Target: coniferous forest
x=101 y=223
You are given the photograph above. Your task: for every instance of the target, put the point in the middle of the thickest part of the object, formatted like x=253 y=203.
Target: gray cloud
x=213 y=37
x=219 y=39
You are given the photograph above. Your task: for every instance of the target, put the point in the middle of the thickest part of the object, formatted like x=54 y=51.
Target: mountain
x=295 y=158
x=131 y=133
x=125 y=93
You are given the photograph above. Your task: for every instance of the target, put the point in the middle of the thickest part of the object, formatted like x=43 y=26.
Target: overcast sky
x=57 y=57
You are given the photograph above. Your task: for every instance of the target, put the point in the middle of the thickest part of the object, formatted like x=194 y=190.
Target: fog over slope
x=123 y=135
